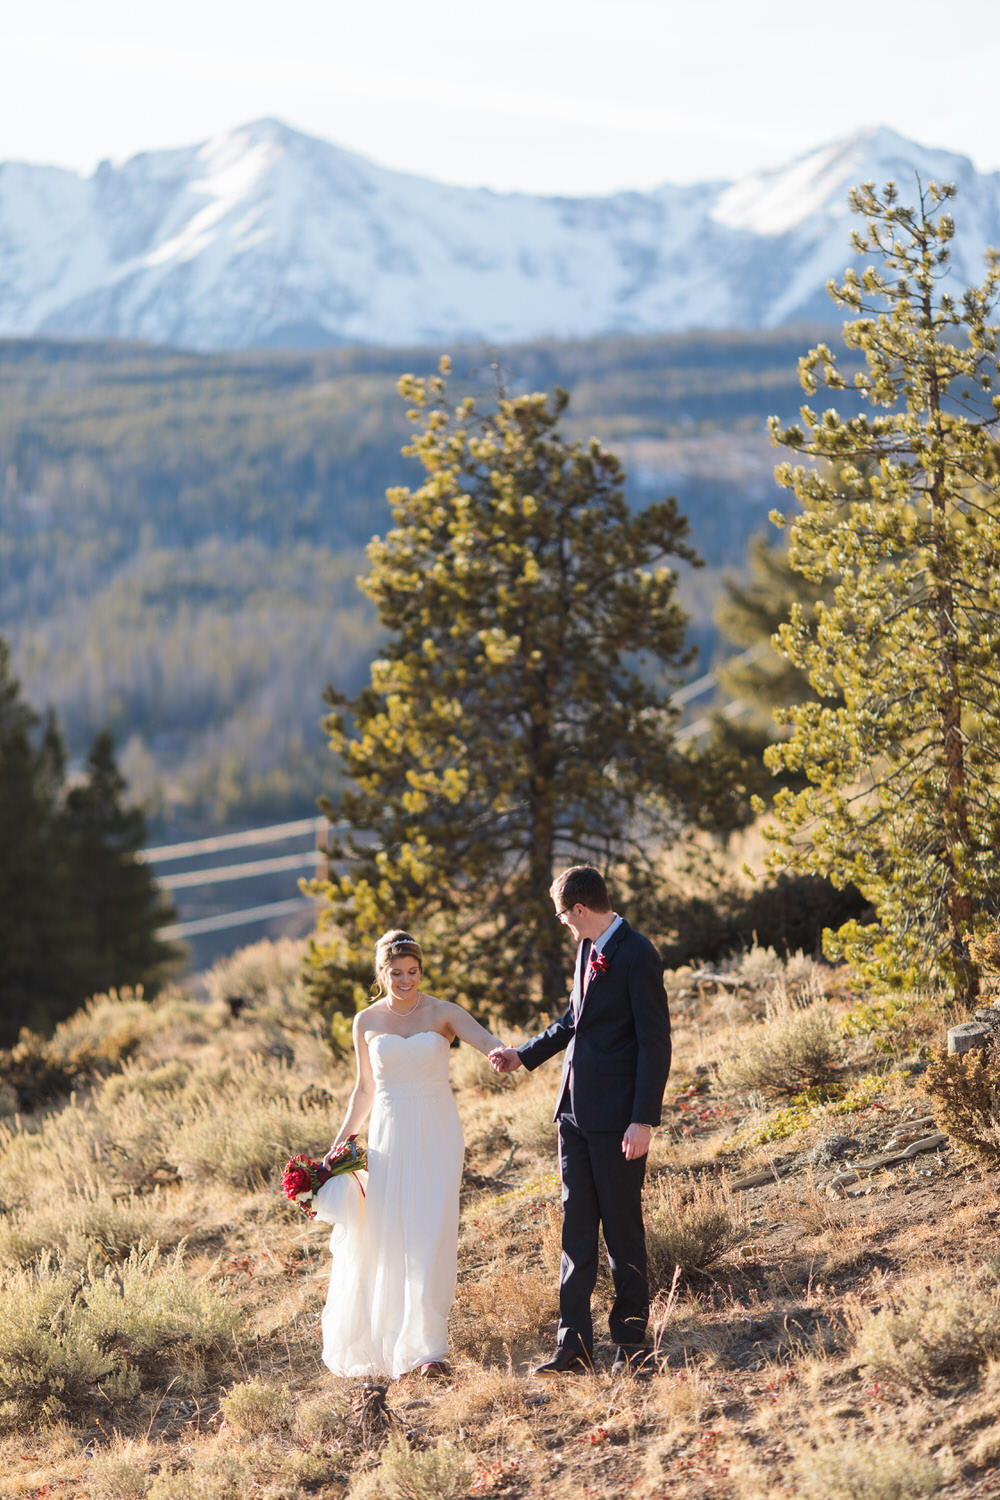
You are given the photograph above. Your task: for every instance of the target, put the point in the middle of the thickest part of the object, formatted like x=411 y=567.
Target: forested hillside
x=181 y=533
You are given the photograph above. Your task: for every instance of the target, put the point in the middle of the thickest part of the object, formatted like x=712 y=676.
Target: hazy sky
x=545 y=95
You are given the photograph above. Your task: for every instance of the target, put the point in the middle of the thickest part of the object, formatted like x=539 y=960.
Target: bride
x=394 y=1264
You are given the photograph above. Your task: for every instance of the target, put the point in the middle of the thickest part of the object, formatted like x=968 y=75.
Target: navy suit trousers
x=600 y=1189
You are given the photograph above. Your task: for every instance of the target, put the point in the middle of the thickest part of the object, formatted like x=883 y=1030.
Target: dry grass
x=798 y=1319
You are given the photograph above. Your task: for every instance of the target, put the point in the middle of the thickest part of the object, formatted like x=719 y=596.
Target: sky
x=547 y=96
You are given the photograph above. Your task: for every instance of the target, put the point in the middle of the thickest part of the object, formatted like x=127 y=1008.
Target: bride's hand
x=504 y=1060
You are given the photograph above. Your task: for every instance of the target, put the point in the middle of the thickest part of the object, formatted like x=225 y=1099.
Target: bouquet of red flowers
x=303 y=1177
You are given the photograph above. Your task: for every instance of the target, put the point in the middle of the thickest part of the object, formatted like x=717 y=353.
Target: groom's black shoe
x=633 y=1359
x=566 y=1361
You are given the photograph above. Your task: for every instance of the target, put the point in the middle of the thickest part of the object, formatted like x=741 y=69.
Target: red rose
x=296 y=1180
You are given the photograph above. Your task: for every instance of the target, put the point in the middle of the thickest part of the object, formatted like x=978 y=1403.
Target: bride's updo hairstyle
x=393 y=944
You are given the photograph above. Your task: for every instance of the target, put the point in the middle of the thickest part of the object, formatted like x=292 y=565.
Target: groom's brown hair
x=583 y=885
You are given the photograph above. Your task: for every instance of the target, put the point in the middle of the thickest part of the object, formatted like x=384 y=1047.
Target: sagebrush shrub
x=965 y=1093
x=116 y=1476
x=93 y=1220
x=689 y=1225
x=106 y=1031
x=318 y=1419
x=265 y=973
x=792 y=1051
x=69 y=1345
x=471 y=1070
x=147 y=1083
x=443 y=1472
x=159 y=1318
x=244 y=1141
x=881 y=1468
x=219 y=1477
x=946 y=1329
x=253 y=1408
x=530 y=1122
x=51 y=1363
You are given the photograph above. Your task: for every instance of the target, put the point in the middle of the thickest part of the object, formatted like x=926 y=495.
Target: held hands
x=635 y=1142
x=505 y=1060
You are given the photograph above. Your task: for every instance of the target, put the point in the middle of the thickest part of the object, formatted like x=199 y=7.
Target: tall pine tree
x=115 y=894
x=78 y=912
x=519 y=715
x=34 y=891
x=902 y=749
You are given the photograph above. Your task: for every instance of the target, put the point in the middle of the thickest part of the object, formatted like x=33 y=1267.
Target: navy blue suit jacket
x=618 y=1052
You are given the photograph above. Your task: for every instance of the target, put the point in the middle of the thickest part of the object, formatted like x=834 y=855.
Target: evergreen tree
x=34 y=893
x=518 y=717
x=901 y=749
x=114 y=892
x=78 y=912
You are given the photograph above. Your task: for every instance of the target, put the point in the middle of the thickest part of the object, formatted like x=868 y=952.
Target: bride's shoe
x=435 y=1369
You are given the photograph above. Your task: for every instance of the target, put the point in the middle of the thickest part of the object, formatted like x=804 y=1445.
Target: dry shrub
x=878 y=1468
x=795 y=1049
x=148 y=1083
x=965 y=1092
x=107 y=1030
x=689 y=1225
x=160 y=1319
x=319 y=1419
x=530 y=1122
x=123 y=1145
x=471 y=1070
x=499 y=1315
x=254 y=1408
x=67 y=1347
x=99 y=1037
x=937 y=1331
x=217 y=1477
x=483 y=1395
x=120 y=1473
x=443 y=1472
x=52 y=1363
x=245 y=1140
x=88 y=1225
x=267 y=974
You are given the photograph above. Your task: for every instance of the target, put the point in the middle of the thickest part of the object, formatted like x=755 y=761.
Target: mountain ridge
x=263 y=236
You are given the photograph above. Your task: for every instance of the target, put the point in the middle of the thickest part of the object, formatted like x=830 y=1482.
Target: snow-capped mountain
x=268 y=236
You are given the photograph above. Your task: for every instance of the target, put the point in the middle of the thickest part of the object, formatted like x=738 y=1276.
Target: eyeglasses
x=565 y=911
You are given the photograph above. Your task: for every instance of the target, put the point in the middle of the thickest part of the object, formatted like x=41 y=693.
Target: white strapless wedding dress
x=392 y=1282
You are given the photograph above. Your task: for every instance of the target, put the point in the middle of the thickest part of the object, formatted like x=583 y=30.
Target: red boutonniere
x=597 y=963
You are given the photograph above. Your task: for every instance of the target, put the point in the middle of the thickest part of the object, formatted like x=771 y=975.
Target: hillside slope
x=826 y=1324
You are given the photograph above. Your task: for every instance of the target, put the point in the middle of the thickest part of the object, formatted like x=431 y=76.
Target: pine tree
x=115 y=893
x=901 y=749
x=34 y=893
x=78 y=912
x=518 y=717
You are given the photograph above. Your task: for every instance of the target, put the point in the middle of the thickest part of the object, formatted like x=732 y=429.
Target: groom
x=616 y=1039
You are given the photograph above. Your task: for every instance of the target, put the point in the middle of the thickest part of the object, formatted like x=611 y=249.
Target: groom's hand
x=635 y=1142
x=505 y=1060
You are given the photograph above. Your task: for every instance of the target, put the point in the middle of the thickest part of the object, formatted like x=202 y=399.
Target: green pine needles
x=519 y=715
x=900 y=522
